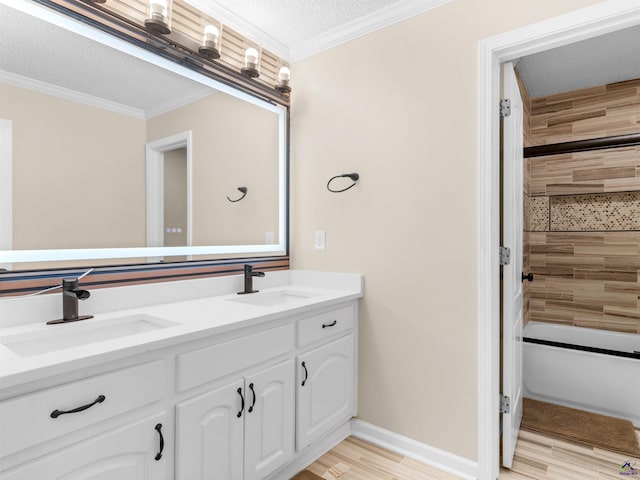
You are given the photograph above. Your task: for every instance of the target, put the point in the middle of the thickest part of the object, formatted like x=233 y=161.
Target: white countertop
x=193 y=318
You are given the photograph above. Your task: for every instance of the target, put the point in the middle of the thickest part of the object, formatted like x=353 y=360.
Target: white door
x=126 y=453
x=512 y=273
x=268 y=425
x=209 y=434
x=325 y=389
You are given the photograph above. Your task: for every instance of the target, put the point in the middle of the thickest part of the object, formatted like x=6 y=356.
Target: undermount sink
x=271 y=299
x=61 y=336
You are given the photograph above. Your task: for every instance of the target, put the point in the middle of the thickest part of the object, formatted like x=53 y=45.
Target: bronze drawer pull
x=327 y=325
x=57 y=413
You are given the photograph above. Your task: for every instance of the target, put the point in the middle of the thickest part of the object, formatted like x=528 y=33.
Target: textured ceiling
x=294 y=21
x=605 y=59
x=597 y=61
x=32 y=48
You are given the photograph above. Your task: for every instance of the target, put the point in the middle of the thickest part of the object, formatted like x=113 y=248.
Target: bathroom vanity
x=211 y=387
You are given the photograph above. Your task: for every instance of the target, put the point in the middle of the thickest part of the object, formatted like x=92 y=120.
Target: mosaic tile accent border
x=539 y=214
x=594 y=212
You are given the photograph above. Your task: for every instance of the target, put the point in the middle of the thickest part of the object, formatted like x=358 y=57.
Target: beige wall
x=74 y=185
x=399 y=106
x=235 y=144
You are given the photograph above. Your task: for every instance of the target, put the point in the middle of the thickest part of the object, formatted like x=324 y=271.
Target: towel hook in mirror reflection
x=243 y=190
x=353 y=176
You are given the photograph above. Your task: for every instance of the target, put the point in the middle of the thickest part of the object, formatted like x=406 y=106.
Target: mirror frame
x=241 y=89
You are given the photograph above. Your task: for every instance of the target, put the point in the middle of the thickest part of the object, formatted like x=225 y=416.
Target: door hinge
x=505 y=404
x=505 y=256
x=505 y=107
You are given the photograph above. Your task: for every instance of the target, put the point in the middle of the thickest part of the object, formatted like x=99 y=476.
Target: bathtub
x=584 y=368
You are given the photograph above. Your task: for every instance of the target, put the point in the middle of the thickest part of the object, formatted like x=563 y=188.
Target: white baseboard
x=408 y=447
x=313 y=452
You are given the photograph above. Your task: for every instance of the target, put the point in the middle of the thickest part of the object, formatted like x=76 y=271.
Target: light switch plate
x=268 y=238
x=319 y=239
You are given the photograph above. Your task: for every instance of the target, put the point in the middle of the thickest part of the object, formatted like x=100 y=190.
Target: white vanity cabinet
x=253 y=402
x=126 y=453
x=37 y=427
x=325 y=389
x=244 y=429
x=269 y=420
x=210 y=435
x=241 y=430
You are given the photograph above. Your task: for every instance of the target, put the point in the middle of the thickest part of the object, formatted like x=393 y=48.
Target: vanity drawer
x=27 y=420
x=210 y=363
x=325 y=325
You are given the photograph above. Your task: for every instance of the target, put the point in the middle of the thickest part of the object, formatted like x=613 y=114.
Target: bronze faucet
x=248 y=279
x=71 y=293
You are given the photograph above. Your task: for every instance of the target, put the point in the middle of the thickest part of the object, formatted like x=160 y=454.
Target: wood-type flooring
x=537 y=457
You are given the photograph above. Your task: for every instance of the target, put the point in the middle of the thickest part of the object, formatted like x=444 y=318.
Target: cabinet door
x=126 y=453
x=325 y=389
x=209 y=434
x=268 y=428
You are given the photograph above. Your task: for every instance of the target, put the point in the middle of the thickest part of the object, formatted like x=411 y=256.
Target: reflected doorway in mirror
x=156 y=152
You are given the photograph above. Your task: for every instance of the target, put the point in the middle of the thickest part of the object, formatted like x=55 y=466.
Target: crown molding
x=83 y=98
x=236 y=22
x=177 y=102
x=362 y=26
x=68 y=94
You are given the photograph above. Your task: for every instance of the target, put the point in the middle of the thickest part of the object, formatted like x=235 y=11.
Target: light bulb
x=158 y=9
x=284 y=75
x=251 y=56
x=158 y=19
x=211 y=34
x=250 y=68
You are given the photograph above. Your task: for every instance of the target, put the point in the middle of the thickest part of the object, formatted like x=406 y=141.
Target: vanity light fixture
x=353 y=176
x=283 y=81
x=158 y=18
x=210 y=41
x=250 y=68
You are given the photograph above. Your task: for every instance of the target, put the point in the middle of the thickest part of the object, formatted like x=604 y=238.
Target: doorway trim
x=572 y=27
x=155 y=186
x=6 y=192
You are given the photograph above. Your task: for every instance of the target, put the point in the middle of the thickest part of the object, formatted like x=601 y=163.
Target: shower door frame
x=579 y=25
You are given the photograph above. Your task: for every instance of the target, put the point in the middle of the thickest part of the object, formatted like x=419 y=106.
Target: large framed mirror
x=111 y=154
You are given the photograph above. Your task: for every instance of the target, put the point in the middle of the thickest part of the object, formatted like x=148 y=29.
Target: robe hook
x=242 y=190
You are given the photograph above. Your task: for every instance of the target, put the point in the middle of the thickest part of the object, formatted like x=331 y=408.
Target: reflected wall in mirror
x=85 y=121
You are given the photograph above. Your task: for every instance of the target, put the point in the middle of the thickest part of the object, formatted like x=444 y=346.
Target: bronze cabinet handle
x=56 y=413
x=250 y=409
x=242 y=399
x=158 y=428
x=306 y=374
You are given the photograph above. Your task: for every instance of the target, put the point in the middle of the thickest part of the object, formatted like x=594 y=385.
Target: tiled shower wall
x=582 y=211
